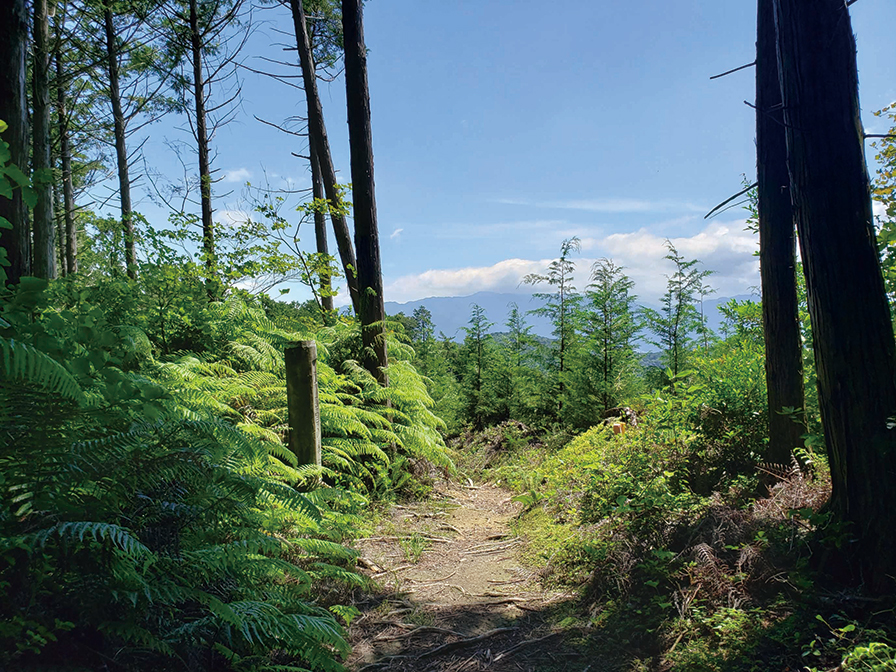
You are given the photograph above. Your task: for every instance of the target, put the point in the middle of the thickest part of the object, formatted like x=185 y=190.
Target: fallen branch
x=396 y=570
x=514 y=649
x=432 y=581
x=428 y=537
x=416 y=631
x=459 y=644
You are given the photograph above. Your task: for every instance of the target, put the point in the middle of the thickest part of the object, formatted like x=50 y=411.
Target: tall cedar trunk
x=317 y=134
x=14 y=111
x=68 y=241
x=367 y=242
x=205 y=175
x=44 y=264
x=60 y=225
x=121 y=151
x=777 y=250
x=853 y=335
x=320 y=231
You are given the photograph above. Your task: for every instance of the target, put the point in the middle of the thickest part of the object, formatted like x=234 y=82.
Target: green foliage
x=137 y=529
x=675 y=325
x=873 y=657
x=561 y=307
x=152 y=514
x=414 y=546
x=884 y=191
x=605 y=371
x=482 y=376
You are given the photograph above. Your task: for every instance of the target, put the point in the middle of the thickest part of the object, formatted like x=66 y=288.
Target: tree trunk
x=317 y=135
x=121 y=152
x=69 y=242
x=777 y=250
x=853 y=335
x=205 y=175
x=367 y=244
x=320 y=232
x=58 y=210
x=44 y=265
x=14 y=111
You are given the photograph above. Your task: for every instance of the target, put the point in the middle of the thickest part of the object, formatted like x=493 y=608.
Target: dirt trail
x=455 y=594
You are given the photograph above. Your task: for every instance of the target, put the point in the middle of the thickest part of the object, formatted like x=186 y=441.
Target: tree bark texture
x=44 y=262
x=121 y=151
x=320 y=231
x=14 y=111
x=317 y=135
x=852 y=331
x=60 y=225
x=777 y=250
x=367 y=243
x=69 y=242
x=205 y=175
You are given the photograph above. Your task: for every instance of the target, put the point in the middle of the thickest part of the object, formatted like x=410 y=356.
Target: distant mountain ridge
x=450 y=314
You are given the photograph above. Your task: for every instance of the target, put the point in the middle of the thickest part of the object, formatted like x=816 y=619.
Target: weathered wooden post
x=302 y=402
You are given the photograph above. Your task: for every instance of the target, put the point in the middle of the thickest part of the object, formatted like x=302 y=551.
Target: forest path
x=455 y=594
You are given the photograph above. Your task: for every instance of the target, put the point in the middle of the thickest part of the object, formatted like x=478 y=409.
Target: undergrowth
x=681 y=560
x=151 y=516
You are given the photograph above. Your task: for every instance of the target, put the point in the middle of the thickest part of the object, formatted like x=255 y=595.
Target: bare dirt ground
x=455 y=595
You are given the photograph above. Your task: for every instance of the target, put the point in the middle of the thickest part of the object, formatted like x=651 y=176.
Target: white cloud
x=232 y=217
x=724 y=248
x=238 y=175
x=880 y=210
x=505 y=276
x=396 y=234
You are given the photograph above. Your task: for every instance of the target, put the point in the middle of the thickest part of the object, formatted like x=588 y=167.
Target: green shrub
x=873 y=657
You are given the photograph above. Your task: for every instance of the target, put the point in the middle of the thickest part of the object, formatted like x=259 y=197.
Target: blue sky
x=502 y=127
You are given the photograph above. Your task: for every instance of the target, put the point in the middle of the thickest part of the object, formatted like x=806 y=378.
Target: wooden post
x=302 y=402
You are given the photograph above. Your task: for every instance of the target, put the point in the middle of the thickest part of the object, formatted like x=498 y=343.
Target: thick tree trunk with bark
x=68 y=239
x=317 y=134
x=320 y=231
x=205 y=174
x=852 y=331
x=367 y=243
x=777 y=250
x=121 y=151
x=44 y=263
x=14 y=111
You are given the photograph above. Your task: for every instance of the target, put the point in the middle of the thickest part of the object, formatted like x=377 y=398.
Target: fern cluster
x=365 y=427
x=151 y=515
x=140 y=530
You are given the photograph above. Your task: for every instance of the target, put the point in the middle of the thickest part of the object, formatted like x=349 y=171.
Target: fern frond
x=24 y=364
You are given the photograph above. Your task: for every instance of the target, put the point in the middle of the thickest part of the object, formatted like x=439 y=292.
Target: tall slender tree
x=854 y=347
x=44 y=261
x=611 y=325
x=675 y=324
x=320 y=232
x=519 y=345
x=113 y=67
x=777 y=249
x=14 y=232
x=367 y=242
x=65 y=213
x=205 y=39
x=477 y=355
x=317 y=134
x=560 y=306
